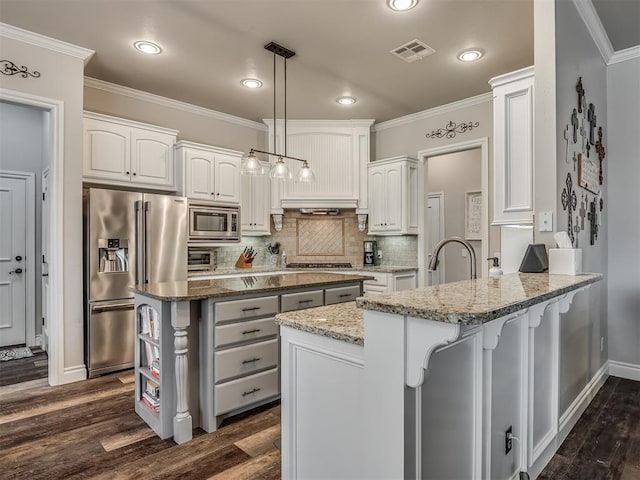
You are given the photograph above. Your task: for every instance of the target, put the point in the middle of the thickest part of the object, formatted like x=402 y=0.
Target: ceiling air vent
x=413 y=50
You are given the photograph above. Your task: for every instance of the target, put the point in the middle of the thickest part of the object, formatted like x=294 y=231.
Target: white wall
x=454 y=174
x=22 y=143
x=623 y=160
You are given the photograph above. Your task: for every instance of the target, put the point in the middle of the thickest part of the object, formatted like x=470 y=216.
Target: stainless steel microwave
x=209 y=223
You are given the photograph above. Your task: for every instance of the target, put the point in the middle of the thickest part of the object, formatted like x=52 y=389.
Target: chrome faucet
x=433 y=261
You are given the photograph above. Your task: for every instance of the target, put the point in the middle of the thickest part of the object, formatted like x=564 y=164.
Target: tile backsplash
x=308 y=238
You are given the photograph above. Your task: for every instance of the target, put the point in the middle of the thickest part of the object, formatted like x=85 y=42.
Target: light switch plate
x=545 y=221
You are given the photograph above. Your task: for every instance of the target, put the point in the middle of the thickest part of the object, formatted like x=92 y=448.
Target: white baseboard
x=629 y=371
x=571 y=416
x=76 y=373
x=39 y=340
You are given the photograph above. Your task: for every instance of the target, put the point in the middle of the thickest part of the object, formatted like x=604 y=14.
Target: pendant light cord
x=275 y=147
x=285 y=106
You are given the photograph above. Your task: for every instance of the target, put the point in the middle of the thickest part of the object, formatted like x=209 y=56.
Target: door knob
x=18 y=258
x=17 y=270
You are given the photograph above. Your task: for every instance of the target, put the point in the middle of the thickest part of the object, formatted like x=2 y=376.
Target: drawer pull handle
x=250 y=309
x=244 y=394
x=344 y=295
x=247 y=332
x=253 y=360
x=305 y=301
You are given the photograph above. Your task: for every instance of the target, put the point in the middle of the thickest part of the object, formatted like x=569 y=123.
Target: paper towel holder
x=535 y=259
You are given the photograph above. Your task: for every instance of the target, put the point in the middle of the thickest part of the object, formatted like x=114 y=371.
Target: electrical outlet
x=379 y=254
x=508 y=440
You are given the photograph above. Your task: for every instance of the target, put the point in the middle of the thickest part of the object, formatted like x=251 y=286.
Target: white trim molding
x=432 y=112
x=629 y=371
x=624 y=55
x=15 y=33
x=592 y=21
x=572 y=414
x=170 y=103
x=74 y=374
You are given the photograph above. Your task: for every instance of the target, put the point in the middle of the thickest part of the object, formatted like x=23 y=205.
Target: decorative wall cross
x=577 y=230
x=582 y=211
x=591 y=116
x=593 y=220
x=575 y=160
x=601 y=152
x=580 y=91
x=569 y=202
x=574 y=125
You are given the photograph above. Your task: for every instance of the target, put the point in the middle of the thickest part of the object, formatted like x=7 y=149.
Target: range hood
x=320 y=211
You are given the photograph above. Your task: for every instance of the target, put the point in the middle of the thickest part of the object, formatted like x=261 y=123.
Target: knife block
x=242 y=262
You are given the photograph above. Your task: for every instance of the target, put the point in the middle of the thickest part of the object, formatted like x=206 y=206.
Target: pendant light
x=279 y=170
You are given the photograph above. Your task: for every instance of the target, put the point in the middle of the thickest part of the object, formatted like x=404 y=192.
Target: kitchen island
x=427 y=383
x=208 y=349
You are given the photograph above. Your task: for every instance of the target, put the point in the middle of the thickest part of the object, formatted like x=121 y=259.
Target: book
x=155 y=368
x=151 y=399
x=152 y=388
x=150 y=405
x=154 y=323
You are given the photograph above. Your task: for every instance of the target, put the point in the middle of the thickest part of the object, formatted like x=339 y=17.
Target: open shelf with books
x=155 y=387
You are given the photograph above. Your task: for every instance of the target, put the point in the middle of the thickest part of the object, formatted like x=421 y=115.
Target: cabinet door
x=106 y=151
x=393 y=198
x=227 y=179
x=246 y=213
x=377 y=199
x=199 y=168
x=152 y=158
x=261 y=197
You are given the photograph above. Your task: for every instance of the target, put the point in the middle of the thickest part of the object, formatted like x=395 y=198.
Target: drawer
x=298 y=301
x=241 y=309
x=244 y=331
x=245 y=360
x=373 y=290
x=341 y=294
x=245 y=391
x=381 y=279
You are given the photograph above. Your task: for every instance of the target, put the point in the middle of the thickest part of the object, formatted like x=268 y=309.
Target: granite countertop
x=228 y=287
x=342 y=321
x=278 y=269
x=473 y=302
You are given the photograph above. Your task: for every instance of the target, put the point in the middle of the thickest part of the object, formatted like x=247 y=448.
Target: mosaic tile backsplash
x=319 y=239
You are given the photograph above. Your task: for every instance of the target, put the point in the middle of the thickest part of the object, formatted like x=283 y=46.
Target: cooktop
x=319 y=265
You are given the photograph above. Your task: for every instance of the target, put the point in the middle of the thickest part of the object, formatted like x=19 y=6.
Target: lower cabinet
x=389 y=282
x=240 y=348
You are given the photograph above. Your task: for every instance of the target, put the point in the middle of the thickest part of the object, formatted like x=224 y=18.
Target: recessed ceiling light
x=251 y=83
x=147 y=47
x=346 y=100
x=469 y=55
x=402 y=5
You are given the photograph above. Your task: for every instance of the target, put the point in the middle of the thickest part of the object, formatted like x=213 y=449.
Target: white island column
x=182 y=421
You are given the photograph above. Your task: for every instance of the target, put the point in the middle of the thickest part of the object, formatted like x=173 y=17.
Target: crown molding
x=624 y=55
x=432 y=112
x=512 y=76
x=354 y=123
x=15 y=33
x=168 y=102
x=591 y=19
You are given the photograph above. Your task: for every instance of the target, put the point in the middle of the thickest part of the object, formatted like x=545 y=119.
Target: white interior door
x=45 y=261
x=13 y=248
x=435 y=233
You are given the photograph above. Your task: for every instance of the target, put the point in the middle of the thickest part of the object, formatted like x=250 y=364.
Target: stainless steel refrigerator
x=130 y=238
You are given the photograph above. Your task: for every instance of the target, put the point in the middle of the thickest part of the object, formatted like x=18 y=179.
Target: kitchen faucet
x=433 y=262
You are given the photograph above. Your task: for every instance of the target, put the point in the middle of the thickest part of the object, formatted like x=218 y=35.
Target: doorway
x=435 y=233
x=425 y=243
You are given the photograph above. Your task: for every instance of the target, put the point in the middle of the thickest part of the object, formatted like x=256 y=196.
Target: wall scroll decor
x=7 y=67
x=473 y=215
x=451 y=129
x=569 y=202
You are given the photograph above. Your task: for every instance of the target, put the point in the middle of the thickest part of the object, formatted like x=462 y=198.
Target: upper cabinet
x=338 y=154
x=123 y=152
x=513 y=147
x=208 y=173
x=393 y=196
x=256 y=193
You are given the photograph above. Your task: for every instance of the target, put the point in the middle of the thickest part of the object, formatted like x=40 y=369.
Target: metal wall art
x=451 y=129
x=7 y=67
x=569 y=202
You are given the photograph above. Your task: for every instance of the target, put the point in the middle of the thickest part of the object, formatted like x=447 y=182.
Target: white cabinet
x=123 y=152
x=393 y=195
x=388 y=282
x=256 y=194
x=209 y=173
x=513 y=147
x=338 y=153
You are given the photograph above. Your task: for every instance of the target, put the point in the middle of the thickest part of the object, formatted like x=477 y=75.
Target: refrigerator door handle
x=112 y=307
x=147 y=240
x=139 y=242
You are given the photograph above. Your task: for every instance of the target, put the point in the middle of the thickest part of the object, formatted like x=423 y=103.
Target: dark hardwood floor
x=605 y=443
x=24 y=369
x=89 y=430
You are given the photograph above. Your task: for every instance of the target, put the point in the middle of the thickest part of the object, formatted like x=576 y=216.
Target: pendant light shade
x=280 y=170
x=305 y=174
x=251 y=165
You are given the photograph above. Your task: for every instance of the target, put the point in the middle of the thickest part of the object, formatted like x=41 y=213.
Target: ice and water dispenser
x=113 y=254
